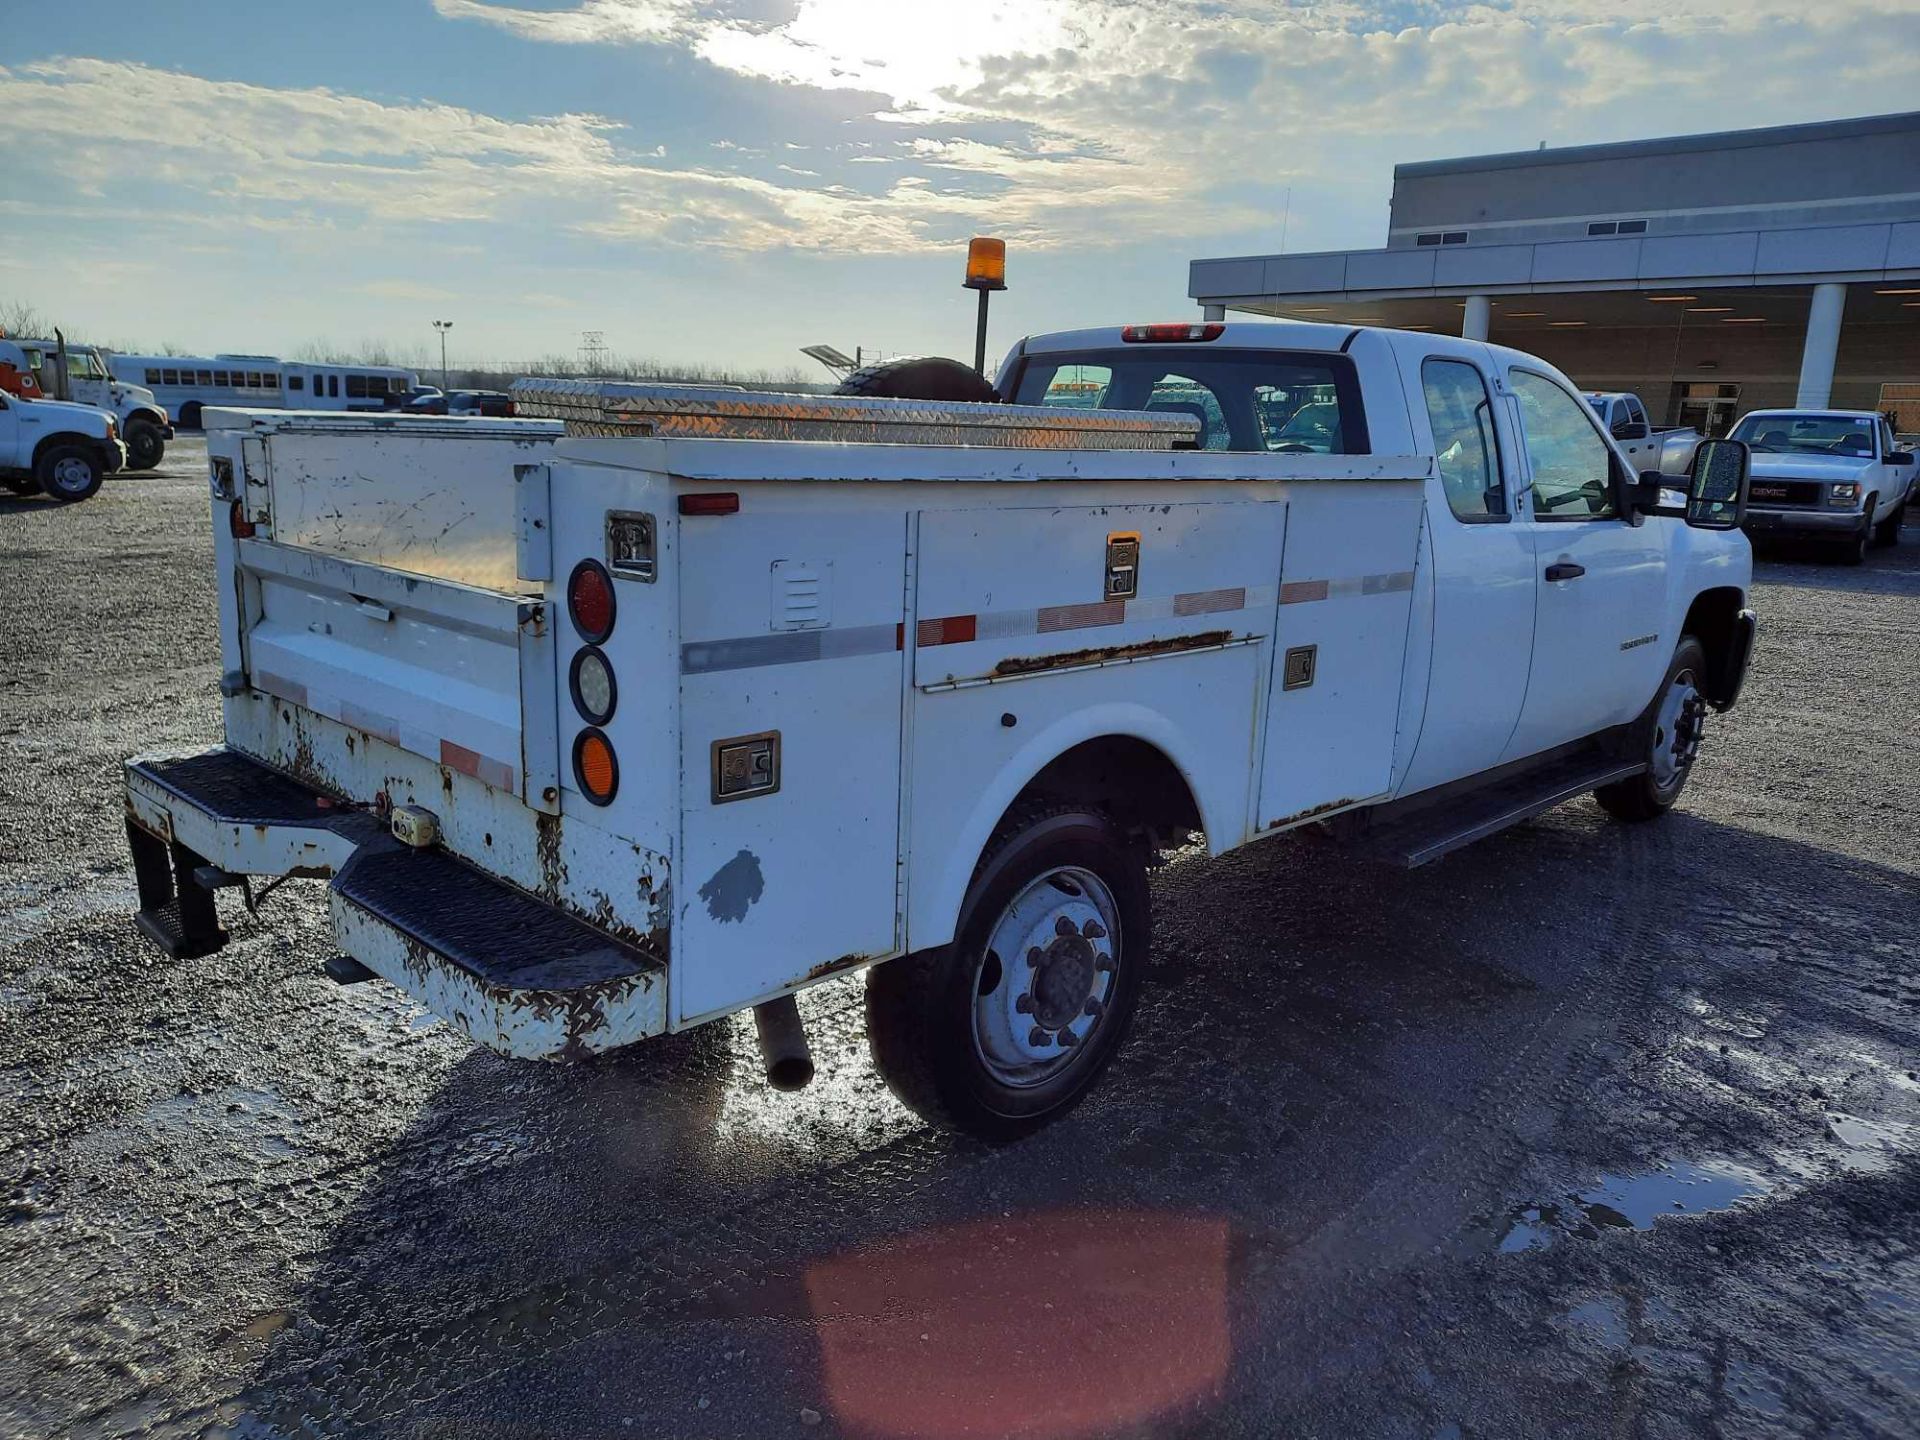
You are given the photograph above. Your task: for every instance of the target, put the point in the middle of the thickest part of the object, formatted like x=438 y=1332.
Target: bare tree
x=22 y=317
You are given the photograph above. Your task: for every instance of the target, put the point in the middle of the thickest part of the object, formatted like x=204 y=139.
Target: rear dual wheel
x=1009 y=1026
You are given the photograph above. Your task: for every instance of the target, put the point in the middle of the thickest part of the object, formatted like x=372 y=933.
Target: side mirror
x=1717 y=486
x=1630 y=430
x=1900 y=457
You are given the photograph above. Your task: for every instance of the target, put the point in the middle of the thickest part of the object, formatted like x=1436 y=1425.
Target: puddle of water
x=1679 y=1187
x=1634 y=1202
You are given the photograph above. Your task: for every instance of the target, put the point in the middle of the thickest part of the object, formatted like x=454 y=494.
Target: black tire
x=1853 y=550
x=1645 y=796
x=919 y=377
x=190 y=415
x=21 y=484
x=69 y=472
x=1887 y=533
x=146 y=446
x=920 y=1008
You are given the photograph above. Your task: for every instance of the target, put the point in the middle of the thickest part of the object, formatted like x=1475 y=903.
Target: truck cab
x=1664 y=448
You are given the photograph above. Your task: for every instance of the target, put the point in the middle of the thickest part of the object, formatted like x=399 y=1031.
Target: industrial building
x=1713 y=274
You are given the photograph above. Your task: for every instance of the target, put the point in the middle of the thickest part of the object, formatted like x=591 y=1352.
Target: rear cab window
x=1273 y=401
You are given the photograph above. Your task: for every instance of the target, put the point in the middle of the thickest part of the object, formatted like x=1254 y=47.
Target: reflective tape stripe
x=1300 y=592
x=701 y=657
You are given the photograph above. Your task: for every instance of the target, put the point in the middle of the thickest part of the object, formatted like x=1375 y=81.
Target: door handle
x=1565 y=570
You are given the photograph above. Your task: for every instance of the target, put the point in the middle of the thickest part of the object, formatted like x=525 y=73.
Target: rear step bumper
x=511 y=971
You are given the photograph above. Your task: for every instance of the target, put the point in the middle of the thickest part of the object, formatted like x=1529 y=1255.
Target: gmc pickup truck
x=609 y=730
x=1835 y=475
x=62 y=449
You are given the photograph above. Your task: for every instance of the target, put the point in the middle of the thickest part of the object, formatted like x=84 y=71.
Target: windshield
x=1599 y=404
x=1279 y=401
x=1845 y=435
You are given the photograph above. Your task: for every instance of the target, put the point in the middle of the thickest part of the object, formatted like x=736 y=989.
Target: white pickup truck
x=1667 y=449
x=611 y=733
x=1836 y=475
x=62 y=449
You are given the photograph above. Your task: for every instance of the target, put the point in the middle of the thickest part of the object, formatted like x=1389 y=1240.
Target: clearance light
x=1171 y=334
x=592 y=684
x=590 y=601
x=238 y=525
x=595 y=769
x=720 y=502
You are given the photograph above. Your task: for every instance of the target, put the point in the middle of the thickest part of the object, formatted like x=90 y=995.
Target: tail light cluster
x=593 y=609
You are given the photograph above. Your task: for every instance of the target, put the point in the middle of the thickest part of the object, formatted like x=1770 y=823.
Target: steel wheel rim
x=1678 y=729
x=72 y=473
x=1045 y=981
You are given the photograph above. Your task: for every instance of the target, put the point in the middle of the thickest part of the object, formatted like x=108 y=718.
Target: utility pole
x=593 y=350
x=443 y=326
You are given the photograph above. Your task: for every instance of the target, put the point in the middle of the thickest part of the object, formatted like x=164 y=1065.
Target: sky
x=723 y=183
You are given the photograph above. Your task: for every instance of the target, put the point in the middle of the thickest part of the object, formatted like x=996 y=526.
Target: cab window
x=1572 y=464
x=1464 y=444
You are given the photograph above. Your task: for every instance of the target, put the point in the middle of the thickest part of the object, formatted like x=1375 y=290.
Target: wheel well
x=59 y=438
x=190 y=414
x=1711 y=620
x=1129 y=778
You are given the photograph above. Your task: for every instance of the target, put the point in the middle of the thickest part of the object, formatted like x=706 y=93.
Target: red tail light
x=1171 y=334
x=590 y=601
x=722 y=502
x=238 y=525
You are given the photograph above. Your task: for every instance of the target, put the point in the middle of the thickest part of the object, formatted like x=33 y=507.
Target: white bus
x=187 y=384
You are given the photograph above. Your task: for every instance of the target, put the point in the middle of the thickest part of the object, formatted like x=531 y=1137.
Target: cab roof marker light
x=1174 y=334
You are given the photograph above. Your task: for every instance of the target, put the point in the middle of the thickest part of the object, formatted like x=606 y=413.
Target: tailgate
x=383 y=588
x=461 y=676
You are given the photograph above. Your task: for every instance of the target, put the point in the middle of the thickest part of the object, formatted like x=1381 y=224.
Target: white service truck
x=1833 y=475
x=1667 y=449
x=61 y=449
x=55 y=370
x=603 y=734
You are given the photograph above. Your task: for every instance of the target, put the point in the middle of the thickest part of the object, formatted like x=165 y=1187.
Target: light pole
x=986 y=272
x=443 y=326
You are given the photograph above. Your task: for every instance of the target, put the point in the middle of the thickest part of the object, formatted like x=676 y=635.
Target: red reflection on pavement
x=1036 y=1328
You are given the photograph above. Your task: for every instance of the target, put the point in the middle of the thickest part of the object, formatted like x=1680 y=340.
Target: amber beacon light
x=986 y=272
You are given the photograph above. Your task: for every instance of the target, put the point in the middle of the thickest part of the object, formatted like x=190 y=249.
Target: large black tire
x=919 y=377
x=146 y=445
x=1649 y=795
x=1887 y=533
x=1853 y=550
x=921 y=1008
x=69 y=472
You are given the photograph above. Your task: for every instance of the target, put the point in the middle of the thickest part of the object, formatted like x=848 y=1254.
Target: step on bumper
x=511 y=971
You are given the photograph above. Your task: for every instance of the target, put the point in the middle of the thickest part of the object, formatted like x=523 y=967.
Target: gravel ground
x=1590 y=1130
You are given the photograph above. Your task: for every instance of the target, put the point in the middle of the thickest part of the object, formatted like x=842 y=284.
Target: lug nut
x=1104 y=964
x=1067 y=1039
x=1038 y=1037
x=1023 y=1005
x=1094 y=1007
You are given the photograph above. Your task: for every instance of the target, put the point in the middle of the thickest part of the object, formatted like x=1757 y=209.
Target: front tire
x=1008 y=1027
x=69 y=472
x=1669 y=733
x=1887 y=533
x=146 y=446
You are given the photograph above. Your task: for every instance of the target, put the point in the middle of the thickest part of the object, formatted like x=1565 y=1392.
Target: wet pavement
x=1590 y=1130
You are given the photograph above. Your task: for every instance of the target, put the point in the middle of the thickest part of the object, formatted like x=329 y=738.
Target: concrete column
x=1478 y=319
x=1823 y=344
x=1213 y=312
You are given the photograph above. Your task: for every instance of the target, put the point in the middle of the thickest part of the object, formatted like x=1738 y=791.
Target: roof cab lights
x=1176 y=334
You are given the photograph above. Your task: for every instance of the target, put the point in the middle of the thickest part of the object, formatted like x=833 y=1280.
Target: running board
x=1424 y=835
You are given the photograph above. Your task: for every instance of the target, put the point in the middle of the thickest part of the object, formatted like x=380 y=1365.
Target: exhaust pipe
x=783 y=1044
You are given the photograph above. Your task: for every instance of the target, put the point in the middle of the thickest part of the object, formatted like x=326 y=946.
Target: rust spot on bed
x=1171 y=645
x=832 y=967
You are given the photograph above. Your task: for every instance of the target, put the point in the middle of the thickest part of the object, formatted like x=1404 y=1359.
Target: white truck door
x=1598 y=646
x=1483 y=570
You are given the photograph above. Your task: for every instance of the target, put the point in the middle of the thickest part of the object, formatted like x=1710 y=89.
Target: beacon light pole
x=986 y=272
